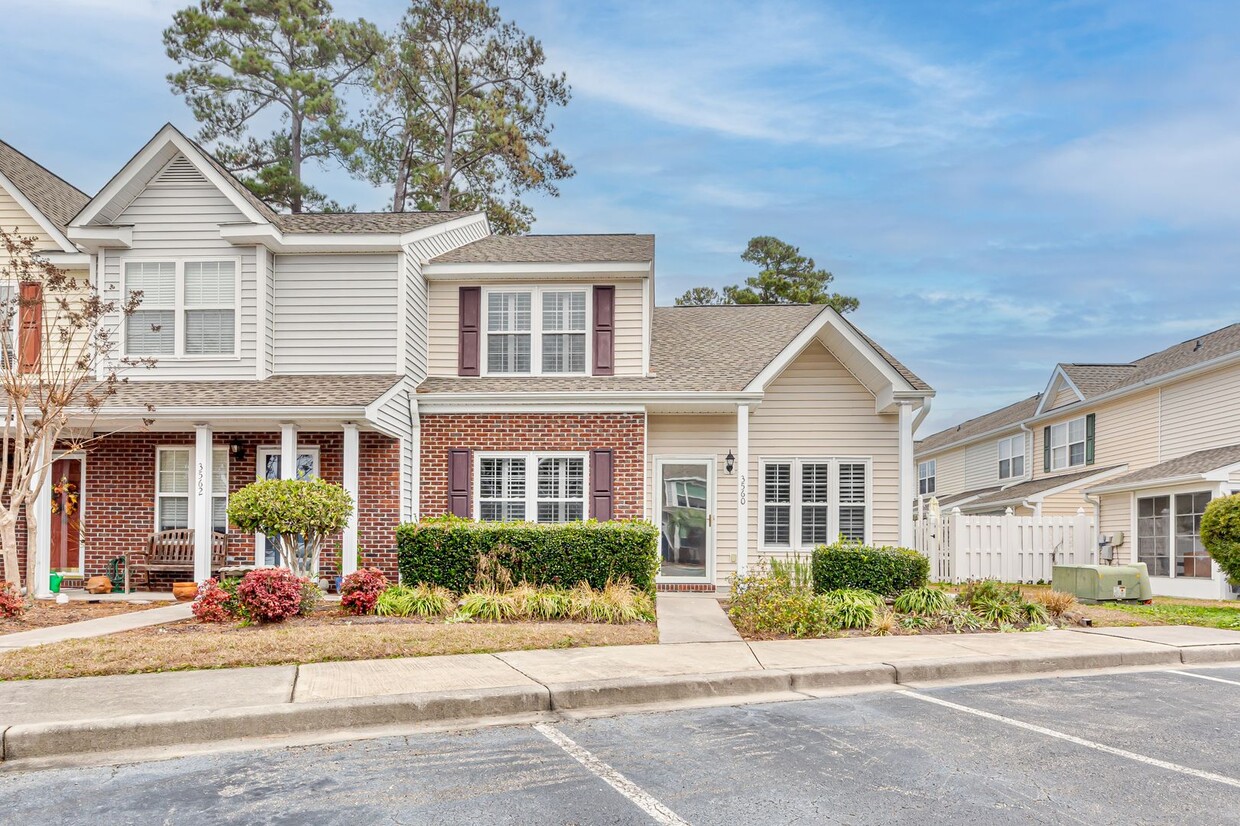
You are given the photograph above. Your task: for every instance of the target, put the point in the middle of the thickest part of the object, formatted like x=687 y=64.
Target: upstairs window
x=1067 y=444
x=187 y=308
x=926 y=477
x=536 y=331
x=1012 y=457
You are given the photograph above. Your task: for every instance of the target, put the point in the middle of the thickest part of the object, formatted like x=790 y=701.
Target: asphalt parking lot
x=1132 y=748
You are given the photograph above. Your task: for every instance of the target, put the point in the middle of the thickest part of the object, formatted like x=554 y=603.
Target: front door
x=66 y=512
x=685 y=505
x=269 y=468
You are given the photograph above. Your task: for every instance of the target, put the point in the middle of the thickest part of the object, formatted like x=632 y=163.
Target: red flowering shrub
x=211 y=604
x=11 y=603
x=270 y=594
x=360 y=590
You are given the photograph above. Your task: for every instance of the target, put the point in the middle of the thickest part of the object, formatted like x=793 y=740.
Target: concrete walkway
x=50 y=719
x=97 y=627
x=693 y=618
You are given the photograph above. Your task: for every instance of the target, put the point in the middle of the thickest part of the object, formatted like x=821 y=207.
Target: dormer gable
x=1061 y=391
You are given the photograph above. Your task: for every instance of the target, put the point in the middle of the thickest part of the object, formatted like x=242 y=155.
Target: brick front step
x=685 y=587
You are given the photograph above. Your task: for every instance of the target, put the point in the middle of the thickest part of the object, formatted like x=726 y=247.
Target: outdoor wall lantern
x=729 y=462
x=236 y=449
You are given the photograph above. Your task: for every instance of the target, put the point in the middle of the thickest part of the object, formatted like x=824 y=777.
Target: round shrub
x=1220 y=533
x=11 y=603
x=211 y=604
x=271 y=594
x=886 y=571
x=360 y=590
x=299 y=512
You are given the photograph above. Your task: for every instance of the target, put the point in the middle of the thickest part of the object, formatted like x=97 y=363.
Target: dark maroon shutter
x=30 y=326
x=600 y=485
x=604 y=331
x=470 y=335
x=458 y=482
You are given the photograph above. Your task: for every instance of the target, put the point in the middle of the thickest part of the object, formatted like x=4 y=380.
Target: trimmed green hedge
x=445 y=551
x=885 y=571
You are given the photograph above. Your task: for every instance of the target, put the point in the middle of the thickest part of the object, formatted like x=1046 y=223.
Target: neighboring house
x=1145 y=444
x=433 y=368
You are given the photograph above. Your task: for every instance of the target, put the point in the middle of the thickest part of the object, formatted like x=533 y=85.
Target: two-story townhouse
x=36 y=203
x=1143 y=444
x=433 y=368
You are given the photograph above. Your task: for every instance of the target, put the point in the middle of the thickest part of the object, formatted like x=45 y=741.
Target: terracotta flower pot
x=185 y=591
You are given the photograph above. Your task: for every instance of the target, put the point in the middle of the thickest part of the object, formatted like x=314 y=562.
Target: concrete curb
x=128 y=733
x=42 y=740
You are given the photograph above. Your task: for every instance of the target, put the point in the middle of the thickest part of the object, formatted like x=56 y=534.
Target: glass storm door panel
x=685 y=519
x=269 y=467
x=66 y=510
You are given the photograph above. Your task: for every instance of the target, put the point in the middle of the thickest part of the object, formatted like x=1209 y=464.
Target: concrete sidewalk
x=693 y=618
x=97 y=627
x=48 y=719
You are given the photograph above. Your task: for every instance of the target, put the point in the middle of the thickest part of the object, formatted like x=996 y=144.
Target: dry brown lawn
x=46 y=613
x=193 y=645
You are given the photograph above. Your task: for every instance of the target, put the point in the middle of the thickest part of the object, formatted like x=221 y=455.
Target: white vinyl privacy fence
x=1009 y=548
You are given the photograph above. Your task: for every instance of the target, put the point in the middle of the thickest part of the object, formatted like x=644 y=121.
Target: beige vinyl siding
x=15 y=219
x=336 y=313
x=669 y=436
x=981 y=464
x=1065 y=396
x=1066 y=503
x=949 y=472
x=417 y=294
x=1116 y=516
x=1125 y=432
x=816 y=408
x=1200 y=413
x=182 y=221
x=443 y=320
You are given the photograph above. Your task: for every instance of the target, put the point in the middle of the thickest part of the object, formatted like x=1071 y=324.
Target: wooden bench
x=170 y=551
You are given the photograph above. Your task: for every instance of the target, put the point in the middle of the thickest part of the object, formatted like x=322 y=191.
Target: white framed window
x=537 y=330
x=174 y=506
x=1068 y=444
x=10 y=305
x=1012 y=457
x=1169 y=535
x=926 y=472
x=530 y=487
x=808 y=502
x=188 y=308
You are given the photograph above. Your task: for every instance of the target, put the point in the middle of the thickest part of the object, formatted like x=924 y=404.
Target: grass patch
x=1203 y=613
x=193 y=645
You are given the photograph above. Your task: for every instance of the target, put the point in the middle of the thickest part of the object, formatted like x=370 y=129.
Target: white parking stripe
x=613 y=778
x=1089 y=744
x=1203 y=677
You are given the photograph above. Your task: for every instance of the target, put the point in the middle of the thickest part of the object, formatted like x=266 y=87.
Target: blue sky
x=1003 y=184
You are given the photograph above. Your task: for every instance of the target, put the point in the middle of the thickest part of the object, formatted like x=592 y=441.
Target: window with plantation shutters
x=536 y=331
x=810 y=502
x=210 y=308
x=531 y=487
x=151 y=329
x=185 y=308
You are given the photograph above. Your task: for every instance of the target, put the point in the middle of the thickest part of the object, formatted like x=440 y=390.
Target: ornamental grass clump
x=922 y=601
x=488 y=606
x=1056 y=603
x=852 y=607
x=425 y=601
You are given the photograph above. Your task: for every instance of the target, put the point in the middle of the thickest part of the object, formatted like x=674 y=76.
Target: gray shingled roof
x=1004 y=416
x=1023 y=490
x=276 y=391
x=1203 y=461
x=685 y=353
x=1092 y=379
x=364 y=222
x=1185 y=354
x=552 y=249
x=950 y=501
x=53 y=196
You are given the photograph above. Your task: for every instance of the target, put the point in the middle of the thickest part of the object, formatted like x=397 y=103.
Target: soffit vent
x=180 y=171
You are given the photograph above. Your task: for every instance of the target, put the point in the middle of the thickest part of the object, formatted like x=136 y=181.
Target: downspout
x=1097 y=503
x=922 y=412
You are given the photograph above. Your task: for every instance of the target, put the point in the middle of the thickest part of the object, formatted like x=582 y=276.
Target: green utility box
x=1104 y=583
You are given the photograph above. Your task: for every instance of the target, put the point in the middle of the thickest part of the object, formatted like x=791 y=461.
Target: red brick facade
x=118 y=497
x=623 y=433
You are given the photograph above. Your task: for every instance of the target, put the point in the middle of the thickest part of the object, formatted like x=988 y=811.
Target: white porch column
x=288 y=450
x=742 y=488
x=348 y=543
x=908 y=475
x=201 y=492
x=42 y=586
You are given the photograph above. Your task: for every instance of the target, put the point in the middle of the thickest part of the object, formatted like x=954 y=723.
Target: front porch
x=125 y=487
